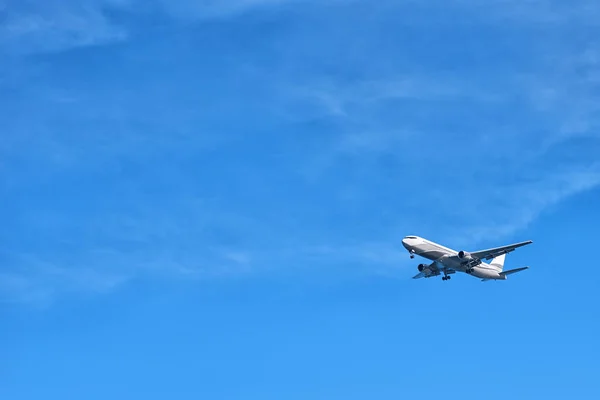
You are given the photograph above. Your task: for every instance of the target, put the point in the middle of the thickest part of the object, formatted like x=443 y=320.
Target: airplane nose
x=405 y=243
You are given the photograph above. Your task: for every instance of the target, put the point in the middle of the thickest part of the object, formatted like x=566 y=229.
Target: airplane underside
x=476 y=272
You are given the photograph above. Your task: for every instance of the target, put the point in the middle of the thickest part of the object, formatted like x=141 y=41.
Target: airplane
x=448 y=261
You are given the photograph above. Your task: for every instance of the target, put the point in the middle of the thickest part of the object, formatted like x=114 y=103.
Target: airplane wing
x=432 y=270
x=420 y=275
x=429 y=271
x=497 y=251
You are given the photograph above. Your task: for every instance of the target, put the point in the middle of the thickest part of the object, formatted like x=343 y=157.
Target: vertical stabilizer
x=498 y=262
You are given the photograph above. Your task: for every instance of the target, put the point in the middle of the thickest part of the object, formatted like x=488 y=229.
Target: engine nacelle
x=464 y=256
x=421 y=267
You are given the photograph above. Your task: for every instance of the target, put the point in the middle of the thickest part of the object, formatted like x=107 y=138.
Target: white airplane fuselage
x=443 y=256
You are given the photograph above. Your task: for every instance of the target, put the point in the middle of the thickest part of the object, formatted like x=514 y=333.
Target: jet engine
x=464 y=256
x=421 y=267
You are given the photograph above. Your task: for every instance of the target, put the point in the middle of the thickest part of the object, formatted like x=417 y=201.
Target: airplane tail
x=498 y=262
x=513 y=271
x=504 y=274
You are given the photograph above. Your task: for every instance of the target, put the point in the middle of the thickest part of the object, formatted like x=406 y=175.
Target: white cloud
x=513 y=207
x=36 y=281
x=342 y=99
x=237 y=257
x=31 y=27
x=510 y=174
x=491 y=178
x=204 y=9
x=98 y=252
x=50 y=26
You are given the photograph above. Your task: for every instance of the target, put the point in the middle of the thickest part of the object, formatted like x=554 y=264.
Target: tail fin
x=498 y=262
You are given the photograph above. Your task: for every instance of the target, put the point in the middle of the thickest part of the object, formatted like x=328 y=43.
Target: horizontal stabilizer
x=513 y=271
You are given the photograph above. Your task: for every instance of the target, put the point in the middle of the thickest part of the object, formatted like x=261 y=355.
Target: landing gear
x=412 y=254
x=446 y=277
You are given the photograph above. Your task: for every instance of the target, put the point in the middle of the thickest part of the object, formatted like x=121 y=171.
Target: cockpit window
x=411 y=237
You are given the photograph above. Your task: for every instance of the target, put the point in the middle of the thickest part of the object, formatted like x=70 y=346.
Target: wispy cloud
x=539 y=11
x=513 y=207
x=344 y=99
x=98 y=254
x=182 y=160
x=515 y=184
x=51 y=26
x=186 y=10
x=31 y=27
x=39 y=282
x=544 y=113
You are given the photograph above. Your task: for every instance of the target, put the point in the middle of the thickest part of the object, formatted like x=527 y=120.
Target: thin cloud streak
x=56 y=26
x=33 y=28
x=566 y=103
x=519 y=205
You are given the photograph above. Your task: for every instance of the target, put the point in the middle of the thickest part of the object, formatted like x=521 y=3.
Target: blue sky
x=206 y=199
